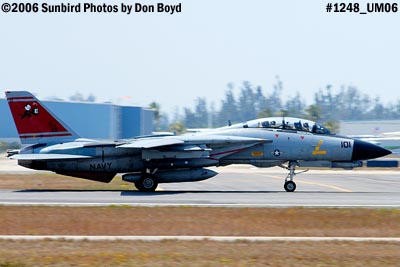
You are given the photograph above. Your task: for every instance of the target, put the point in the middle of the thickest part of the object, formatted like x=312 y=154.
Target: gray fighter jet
x=148 y=161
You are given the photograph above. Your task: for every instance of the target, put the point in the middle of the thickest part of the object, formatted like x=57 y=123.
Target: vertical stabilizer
x=36 y=124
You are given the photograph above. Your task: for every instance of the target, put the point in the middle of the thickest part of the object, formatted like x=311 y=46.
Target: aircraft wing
x=152 y=142
x=192 y=146
x=182 y=147
x=222 y=145
x=47 y=156
x=222 y=140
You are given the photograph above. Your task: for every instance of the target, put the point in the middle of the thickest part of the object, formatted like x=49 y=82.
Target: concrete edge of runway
x=222 y=205
x=198 y=238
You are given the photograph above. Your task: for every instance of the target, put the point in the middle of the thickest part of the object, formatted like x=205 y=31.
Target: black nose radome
x=364 y=150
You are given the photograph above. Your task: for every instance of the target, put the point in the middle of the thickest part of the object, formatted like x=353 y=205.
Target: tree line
x=247 y=101
x=328 y=107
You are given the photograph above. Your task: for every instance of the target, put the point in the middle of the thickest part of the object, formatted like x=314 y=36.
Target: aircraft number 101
x=345 y=144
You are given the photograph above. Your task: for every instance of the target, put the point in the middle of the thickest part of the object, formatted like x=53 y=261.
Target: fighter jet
x=147 y=161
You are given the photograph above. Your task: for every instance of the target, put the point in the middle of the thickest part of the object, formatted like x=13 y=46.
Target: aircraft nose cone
x=364 y=150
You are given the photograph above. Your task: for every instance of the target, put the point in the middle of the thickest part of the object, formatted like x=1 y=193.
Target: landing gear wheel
x=290 y=186
x=146 y=184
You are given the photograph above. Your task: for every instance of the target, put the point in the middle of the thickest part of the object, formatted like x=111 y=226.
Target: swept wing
x=191 y=146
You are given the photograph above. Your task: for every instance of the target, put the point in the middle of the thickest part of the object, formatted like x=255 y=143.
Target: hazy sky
x=172 y=59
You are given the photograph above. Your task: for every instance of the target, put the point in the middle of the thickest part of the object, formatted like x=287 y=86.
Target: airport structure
x=104 y=121
x=369 y=127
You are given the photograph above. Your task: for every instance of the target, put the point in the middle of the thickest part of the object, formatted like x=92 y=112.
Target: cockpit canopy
x=285 y=123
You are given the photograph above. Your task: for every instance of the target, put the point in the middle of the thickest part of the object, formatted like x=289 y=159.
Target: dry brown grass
x=120 y=220
x=125 y=220
x=54 y=181
x=197 y=253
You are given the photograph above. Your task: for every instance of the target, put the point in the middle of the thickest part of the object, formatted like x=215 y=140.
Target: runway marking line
x=197 y=238
x=210 y=205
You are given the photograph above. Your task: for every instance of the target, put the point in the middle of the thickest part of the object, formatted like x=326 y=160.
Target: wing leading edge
x=209 y=140
x=189 y=147
x=192 y=146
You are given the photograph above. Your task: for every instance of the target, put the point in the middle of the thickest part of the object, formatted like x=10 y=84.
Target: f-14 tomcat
x=148 y=161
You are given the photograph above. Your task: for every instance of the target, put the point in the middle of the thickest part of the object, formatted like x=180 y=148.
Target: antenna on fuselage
x=229 y=123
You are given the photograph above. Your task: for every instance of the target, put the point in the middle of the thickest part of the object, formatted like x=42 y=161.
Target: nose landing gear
x=290 y=185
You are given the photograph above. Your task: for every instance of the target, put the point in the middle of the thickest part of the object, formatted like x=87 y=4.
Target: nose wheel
x=290 y=185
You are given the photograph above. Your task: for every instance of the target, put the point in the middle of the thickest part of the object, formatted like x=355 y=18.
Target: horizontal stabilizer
x=47 y=156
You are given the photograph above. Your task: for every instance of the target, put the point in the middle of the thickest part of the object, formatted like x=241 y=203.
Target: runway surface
x=239 y=186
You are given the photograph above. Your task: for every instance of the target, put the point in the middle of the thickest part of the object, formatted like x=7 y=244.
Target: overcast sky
x=172 y=59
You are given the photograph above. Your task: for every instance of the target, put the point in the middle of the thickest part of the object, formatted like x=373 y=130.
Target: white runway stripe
x=210 y=205
x=197 y=238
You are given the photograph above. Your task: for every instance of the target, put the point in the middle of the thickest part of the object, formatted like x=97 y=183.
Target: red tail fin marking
x=33 y=120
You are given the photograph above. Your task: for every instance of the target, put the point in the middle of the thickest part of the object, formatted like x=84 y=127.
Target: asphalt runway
x=239 y=186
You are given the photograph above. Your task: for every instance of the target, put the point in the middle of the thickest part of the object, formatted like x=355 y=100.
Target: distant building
x=89 y=120
x=370 y=127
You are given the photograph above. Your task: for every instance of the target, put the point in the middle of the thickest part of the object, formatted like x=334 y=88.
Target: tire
x=147 y=184
x=138 y=186
x=290 y=186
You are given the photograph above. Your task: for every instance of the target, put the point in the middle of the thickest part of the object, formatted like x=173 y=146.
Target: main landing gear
x=147 y=183
x=290 y=185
